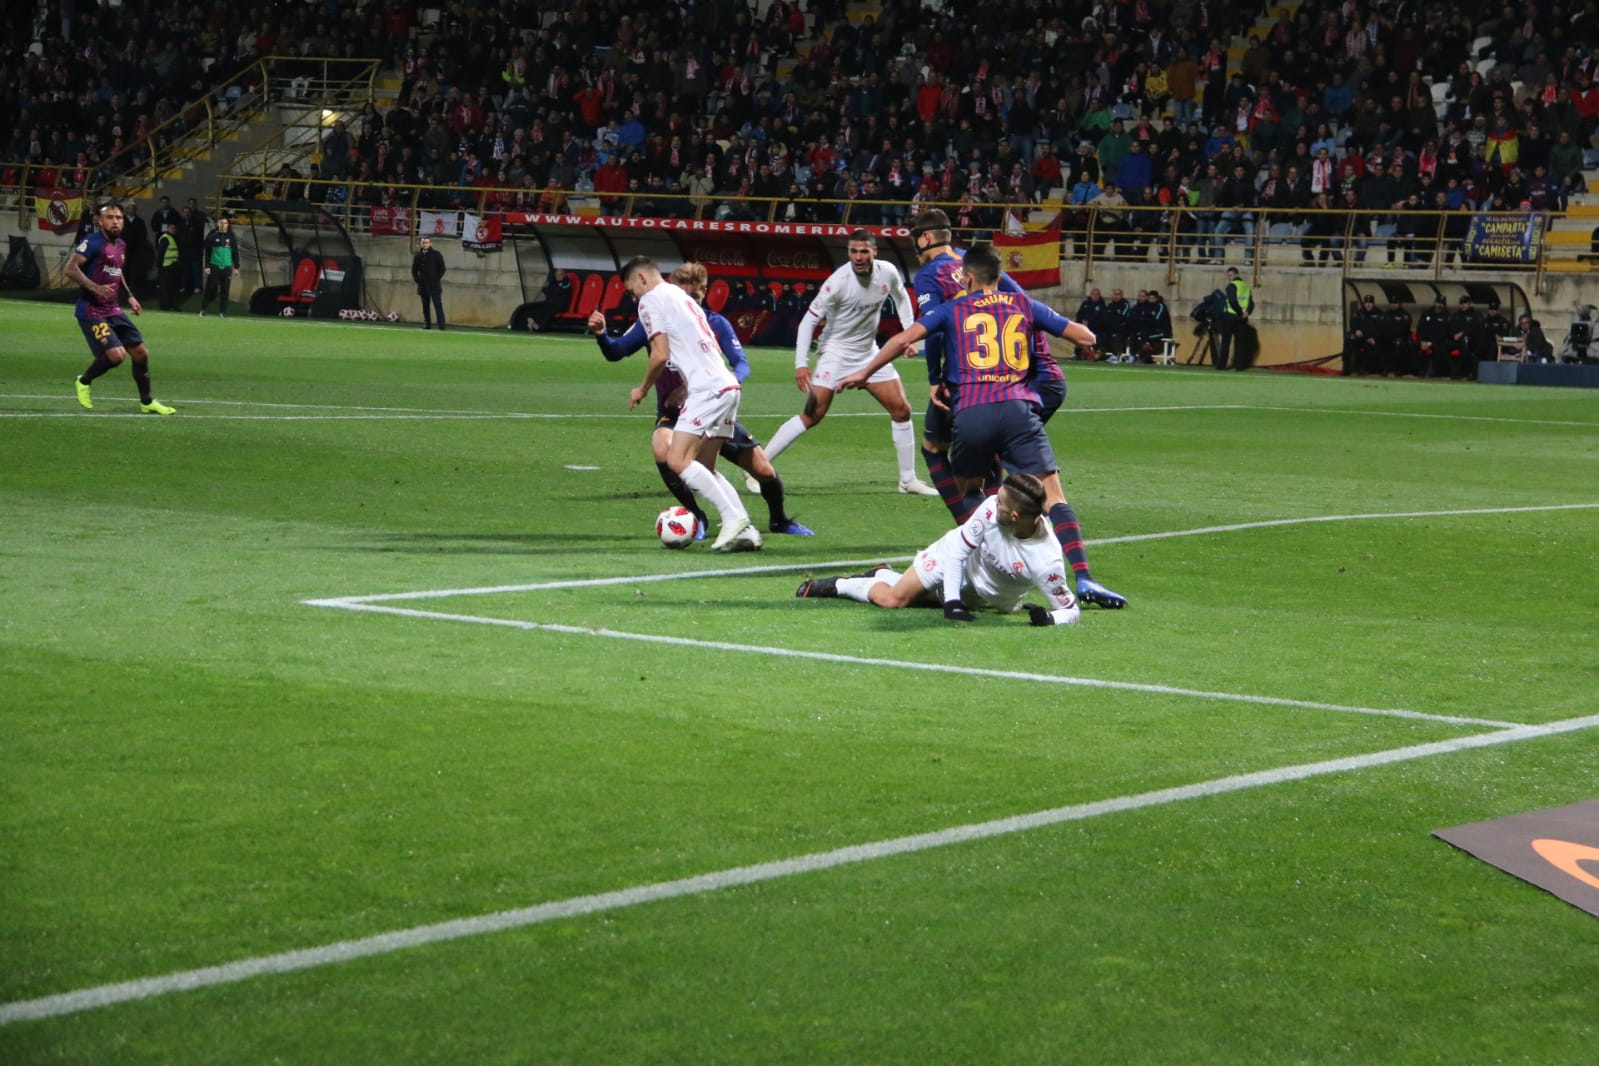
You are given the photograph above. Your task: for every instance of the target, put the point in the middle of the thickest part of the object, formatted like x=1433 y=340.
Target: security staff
x=1363 y=345
x=1432 y=338
x=1234 y=320
x=1398 y=347
x=166 y=254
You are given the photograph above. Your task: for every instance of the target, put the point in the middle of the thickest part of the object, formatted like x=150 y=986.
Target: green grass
x=197 y=768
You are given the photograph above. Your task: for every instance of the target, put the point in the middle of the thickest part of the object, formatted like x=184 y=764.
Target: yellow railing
x=201 y=123
x=1345 y=240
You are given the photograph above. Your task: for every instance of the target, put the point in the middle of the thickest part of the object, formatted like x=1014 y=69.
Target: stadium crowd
x=1118 y=105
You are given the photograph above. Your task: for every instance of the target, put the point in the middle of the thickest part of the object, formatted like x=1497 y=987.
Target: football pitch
x=354 y=714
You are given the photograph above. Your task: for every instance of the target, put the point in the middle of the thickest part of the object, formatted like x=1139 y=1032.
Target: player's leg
x=936 y=433
x=660 y=445
x=107 y=351
x=888 y=391
x=817 y=403
x=208 y=291
x=1026 y=449
x=978 y=434
x=745 y=453
x=224 y=287
x=139 y=363
x=693 y=457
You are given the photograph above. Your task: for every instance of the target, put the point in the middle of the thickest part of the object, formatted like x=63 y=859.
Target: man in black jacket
x=427 y=270
x=1432 y=338
x=1468 y=341
x=1362 y=347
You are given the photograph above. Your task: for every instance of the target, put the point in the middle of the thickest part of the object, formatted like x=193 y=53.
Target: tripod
x=1204 y=350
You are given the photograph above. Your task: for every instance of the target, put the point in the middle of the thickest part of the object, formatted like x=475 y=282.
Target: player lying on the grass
x=741 y=448
x=96 y=267
x=987 y=386
x=1004 y=550
x=851 y=301
x=678 y=334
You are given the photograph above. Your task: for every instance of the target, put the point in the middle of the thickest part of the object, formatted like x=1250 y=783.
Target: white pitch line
x=842 y=564
x=739 y=876
x=1275 y=522
x=1423 y=414
x=901 y=664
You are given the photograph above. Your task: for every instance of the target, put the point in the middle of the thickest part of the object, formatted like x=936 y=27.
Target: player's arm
x=133 y=301
x=902 y=302
x=1050 y=320
x=732 y=350
x=615 y=349
x=928 y=298
x=802 y=342
x=74 y=273
x=891 y=350
x=953 y=575
x=1063 y=609
x=660 y=349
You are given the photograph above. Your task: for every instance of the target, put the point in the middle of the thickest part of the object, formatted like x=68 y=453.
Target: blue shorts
x=104 y=334
x=938 y=424
x=1052 y=391
x=1010 y=429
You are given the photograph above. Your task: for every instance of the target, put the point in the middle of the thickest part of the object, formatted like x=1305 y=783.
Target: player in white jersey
x=679 y=335
x=1002 y=552
x=851 y=301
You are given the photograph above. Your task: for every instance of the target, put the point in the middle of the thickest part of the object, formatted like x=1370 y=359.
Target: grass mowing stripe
x=940 y=668
x=417 y=936
x=639 y=579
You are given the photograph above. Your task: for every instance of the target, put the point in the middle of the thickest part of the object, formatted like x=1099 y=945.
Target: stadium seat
x=589 y=300
x=777 y=289
x=716 y=296
x=613 y=293
x=307 y=278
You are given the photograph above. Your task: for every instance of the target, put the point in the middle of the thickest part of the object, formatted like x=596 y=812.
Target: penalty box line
x=758 y=873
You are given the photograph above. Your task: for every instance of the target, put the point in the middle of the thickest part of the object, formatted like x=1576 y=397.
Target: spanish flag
x=59 y=209
x=1032 y=261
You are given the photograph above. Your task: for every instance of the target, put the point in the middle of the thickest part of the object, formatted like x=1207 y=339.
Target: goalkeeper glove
x=956 y=613
x=1039 y=616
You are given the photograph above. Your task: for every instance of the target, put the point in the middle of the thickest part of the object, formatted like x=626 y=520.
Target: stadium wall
x=1300 y=311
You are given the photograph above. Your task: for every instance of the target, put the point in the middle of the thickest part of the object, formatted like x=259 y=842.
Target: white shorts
x=709 y=414
x=929 y=562
x=831 y=368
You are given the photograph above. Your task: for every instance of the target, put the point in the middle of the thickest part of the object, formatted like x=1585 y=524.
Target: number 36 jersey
x=988 y=344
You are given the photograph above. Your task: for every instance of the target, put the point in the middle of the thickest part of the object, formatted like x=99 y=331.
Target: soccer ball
x=288 y=312
x=676 y=527
x=394 y=316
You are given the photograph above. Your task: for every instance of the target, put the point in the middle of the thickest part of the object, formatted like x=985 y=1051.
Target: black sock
x=772 y=493
x=100 y=365
x=141 y=378
x=1070 y=535
x=680 y=491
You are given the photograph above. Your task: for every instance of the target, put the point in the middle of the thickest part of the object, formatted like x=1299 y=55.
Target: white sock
x=904 y=448
x=856 y=588
x=722 y=481
x=717 y=491
x=786 y=434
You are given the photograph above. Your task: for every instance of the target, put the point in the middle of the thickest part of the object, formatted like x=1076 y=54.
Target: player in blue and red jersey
x=741 y=448
x=987 y=382
x=937 y=281
x=96 y=267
